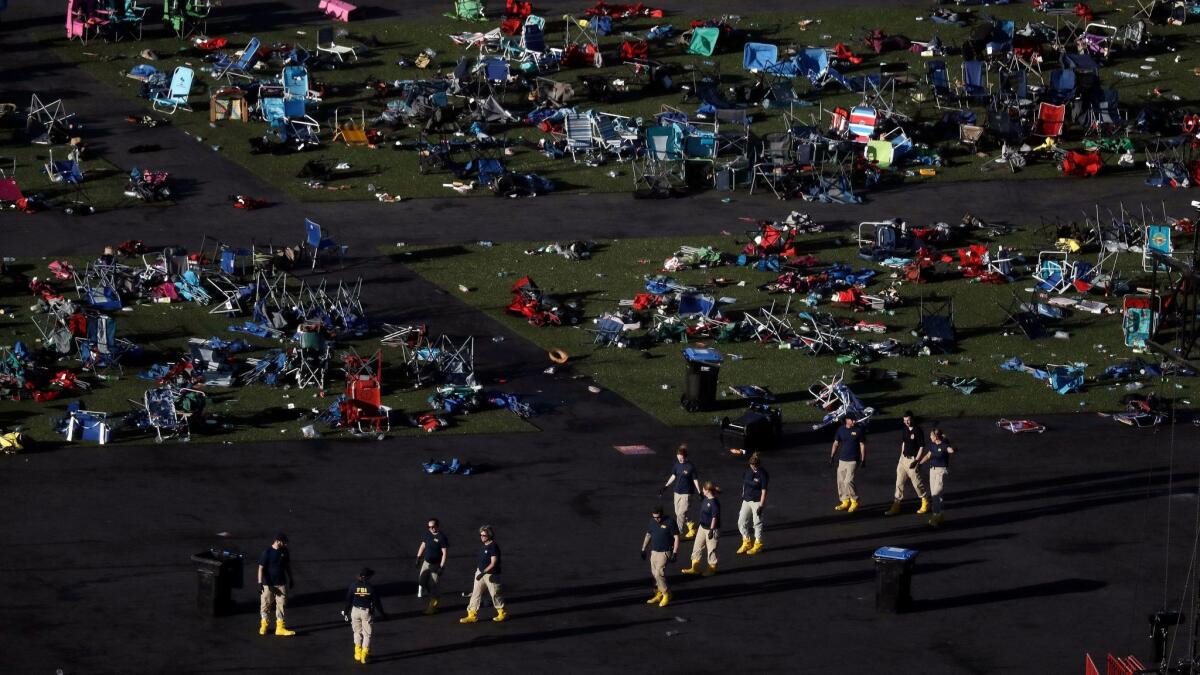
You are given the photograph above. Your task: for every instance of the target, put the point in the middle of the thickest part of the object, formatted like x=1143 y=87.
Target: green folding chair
x=704 y=41
x=468 y=10
x=880 y=153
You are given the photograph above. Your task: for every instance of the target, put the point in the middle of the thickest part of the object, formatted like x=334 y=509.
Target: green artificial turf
x=254 y=412
x=653 y=380
x=395 y=172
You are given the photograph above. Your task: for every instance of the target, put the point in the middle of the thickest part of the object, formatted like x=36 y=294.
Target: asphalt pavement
x=1055 y=544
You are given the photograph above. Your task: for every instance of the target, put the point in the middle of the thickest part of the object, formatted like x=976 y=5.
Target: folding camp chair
x=176 y=96
x=126 y=17
x=975 y=82
x=862 y=123
x=813 y=64
x=936 y=322
x=350 y=130
x=1146 y=9
x=299 y=128
x=187 y=16
x=1139 y=319
x=317 y=239
x=577 y=130
x=162 y=415
x=838 y=402
x=758 y=56
x=48 y=123
x=1050 y=120
x=1157 y=242
x=775 y=164
x=101 y=350
x=85 y=20
x=1061 y=87
x=614 y=134
x=937 y=76
x=239 y=67
x=703 y=41
x=662 y=164
x=362 y=408
x=495 y=71
x=468 y=10
x=326 y=44
x=1021 y=316
x=732 y=129
x=1054 y=272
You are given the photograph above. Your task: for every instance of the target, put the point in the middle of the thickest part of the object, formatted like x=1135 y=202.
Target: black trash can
x=700 y=385
x=893 y=579
x=218 y=572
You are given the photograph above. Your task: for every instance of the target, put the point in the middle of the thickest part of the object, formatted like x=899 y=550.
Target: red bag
x=634 y=50
x=511 y=26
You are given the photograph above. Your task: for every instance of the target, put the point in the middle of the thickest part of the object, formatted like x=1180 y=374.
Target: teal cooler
x=893 y=579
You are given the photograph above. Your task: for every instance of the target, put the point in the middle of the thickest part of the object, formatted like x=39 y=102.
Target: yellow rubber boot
x=432 y=608
x=655 y=598
x=666 y=597
x=893 y=509
x=853 y=506
x=694 y=569
x=845 y=504
x=280 y=629
x=469 y=618
x=745 y=545
x=691 y=531
x=709 y=571
x=756 y=548
x=924 y=507
x=501 y=615
x=262 y=627
x=358 y=653
x=364 y=656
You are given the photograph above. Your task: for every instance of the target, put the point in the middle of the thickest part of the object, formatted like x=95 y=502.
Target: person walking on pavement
x=850 y=452
x=938 y=456
x=687 y=484
x=487 y=575
x=362 y=603
x=754 y=499
x=662 y=536
x=912 y=448
x=274 y=580
x=709 y=532
x=431 y=560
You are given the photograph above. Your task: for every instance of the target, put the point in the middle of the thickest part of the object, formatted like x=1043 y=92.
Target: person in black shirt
x=912 y=447
x=662 y=536
x=431 y=560
x=687 y=484
x=754 y=498
x=938 y=456
x=709 y=532
x=362 y=603
x=487 y=575
x=274 y=578
x=850 y=451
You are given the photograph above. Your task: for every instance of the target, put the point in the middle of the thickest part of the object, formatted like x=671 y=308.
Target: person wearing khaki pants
x=912 y=449
x=709 y=533
x=662 y=536
x=487 y=577
x=687 y=484
x=850 y=452
x=362 y=604
x=938 y=456
x=754 y=499
x=274 y=578
x=431 y=560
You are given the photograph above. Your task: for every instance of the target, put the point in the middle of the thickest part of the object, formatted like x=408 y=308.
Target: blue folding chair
x=176 y=96
x=1062 y=86
x=758 y=56
x=317 y=240
x=230 y=68
x=814 y=64
x=975 y=85
x=937 y=76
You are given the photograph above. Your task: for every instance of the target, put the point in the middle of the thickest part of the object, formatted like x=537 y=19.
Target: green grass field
x=255 y=412
x=103 y=186
x=395 y=171
x=617 y=271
